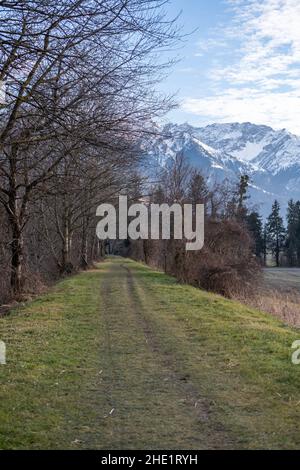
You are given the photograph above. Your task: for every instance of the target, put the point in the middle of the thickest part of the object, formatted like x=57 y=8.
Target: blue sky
x=242 y=63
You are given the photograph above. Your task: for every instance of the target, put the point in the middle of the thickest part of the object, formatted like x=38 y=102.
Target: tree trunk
x=16 y=216
x=84 y=244
x=84 y=251
x=277 y=254
x=66 y=265
x=17 y=260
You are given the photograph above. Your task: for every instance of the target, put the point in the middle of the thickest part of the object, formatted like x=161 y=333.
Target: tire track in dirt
x=106 y=290
x=189 y=392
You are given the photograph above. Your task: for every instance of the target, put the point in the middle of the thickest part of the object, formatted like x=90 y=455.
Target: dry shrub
x=226 y=265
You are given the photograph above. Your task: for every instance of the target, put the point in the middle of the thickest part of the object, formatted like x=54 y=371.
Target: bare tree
x=77 y=71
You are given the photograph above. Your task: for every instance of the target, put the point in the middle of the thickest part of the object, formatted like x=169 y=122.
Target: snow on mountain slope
x=264 y=147
x=281 y=153
x=244 y=141
x=173 y=139
x=271 y=158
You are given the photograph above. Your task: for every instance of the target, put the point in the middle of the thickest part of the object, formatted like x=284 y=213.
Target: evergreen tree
x=293 y=233
x=242 y=191
x=197 y=191
x=242 y=197
x=275 y=232
x=255 y=227
x=297 y=234
x=236 y=207
x=265 y=244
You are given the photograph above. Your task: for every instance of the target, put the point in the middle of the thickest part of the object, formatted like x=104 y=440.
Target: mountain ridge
x=271 y=158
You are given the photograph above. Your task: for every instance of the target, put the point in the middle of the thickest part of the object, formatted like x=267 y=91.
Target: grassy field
x=124 y=357
x=284 y=279
x=279 y=295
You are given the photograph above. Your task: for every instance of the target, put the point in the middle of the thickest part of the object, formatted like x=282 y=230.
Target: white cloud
x=261 y=80
x=282 y=110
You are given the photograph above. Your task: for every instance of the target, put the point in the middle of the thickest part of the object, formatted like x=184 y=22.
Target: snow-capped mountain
x=243 y=141
x=281 y=153
x=271 y=158
x=261 y=145
x=173 y=139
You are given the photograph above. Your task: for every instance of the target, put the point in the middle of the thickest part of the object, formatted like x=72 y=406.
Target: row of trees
x=227 y=263
x=283 y=242
x=274 y=239
x=237 y=242
x=80 y=80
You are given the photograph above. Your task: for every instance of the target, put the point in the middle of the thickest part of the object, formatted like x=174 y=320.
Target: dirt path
x=124 y=357
x=152 y=402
